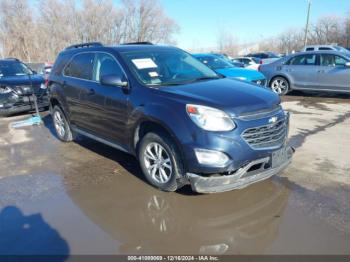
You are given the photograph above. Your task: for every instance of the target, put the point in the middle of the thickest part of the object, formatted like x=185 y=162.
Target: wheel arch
x=147 y=125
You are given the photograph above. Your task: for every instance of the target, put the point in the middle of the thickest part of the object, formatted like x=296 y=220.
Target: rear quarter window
x=81 y=66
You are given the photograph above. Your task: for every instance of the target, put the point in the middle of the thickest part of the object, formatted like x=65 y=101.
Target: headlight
x=209 y=118
x=5 y=90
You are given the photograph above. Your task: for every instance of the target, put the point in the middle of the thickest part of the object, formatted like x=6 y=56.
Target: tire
x=160 y=176
x=61 y=125
x=280 y=85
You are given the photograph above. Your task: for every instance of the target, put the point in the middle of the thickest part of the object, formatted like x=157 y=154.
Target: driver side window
x=106 y=64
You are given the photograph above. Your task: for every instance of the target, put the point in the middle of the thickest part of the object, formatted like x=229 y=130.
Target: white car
x=325 y=48
x=249 y=62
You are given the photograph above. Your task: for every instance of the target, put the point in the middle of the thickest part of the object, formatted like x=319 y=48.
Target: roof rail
x=138 y=43
x=12 y=58
x=90 y=44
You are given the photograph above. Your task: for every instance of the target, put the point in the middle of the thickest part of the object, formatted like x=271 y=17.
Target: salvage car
x=327 y=71
x=227 y=69
x=18 y=83
x=183 y=122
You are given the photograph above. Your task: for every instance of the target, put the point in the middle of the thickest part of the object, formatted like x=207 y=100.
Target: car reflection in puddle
x=147 y=221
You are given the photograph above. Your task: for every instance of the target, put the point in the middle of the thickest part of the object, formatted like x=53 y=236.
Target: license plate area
x=279 y=157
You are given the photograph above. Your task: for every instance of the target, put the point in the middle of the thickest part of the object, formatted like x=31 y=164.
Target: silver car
x=314 y=71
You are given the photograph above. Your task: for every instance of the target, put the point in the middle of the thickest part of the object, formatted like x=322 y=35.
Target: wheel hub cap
x=158 y=163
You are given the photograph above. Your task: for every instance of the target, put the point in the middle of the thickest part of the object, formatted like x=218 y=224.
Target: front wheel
x=160 y=161
x=280 y=85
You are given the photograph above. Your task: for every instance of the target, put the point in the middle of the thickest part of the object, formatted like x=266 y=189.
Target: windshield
x=167 y=67
x=13 y=69
x=341 y=49
x=273 y=55
x=215 y=62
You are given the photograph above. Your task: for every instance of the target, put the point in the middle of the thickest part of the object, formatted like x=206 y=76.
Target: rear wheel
x=160 y=161
x=280 y=85
x=61 y=124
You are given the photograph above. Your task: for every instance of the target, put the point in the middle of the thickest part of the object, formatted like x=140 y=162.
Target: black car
x=183 y=121
x=17 y=85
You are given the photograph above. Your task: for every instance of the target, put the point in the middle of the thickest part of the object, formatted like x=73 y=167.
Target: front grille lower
x=268 y=136
x=260 y=82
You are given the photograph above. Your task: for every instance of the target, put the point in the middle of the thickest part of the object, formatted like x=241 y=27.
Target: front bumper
x=20 y=107
x=243 y=177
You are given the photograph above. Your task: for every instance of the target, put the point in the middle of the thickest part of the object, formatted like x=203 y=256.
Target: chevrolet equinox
x=183 y=122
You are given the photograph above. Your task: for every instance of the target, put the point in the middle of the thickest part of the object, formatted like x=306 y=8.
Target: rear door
x=302 y=71
x=77 y=81
x=333 y=74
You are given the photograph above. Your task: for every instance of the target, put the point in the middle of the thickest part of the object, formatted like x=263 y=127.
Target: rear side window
x=106 y=65
x=310 y=49
x=80 y=66
x=325 y=48
x=332 y=60
x=303 y=60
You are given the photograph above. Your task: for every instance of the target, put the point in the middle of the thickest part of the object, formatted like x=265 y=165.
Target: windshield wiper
x=203 y=78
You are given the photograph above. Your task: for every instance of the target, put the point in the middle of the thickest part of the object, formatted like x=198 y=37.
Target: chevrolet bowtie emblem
x=273 y=120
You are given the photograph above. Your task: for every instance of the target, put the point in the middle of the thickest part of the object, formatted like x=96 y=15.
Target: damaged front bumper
x=253 y=172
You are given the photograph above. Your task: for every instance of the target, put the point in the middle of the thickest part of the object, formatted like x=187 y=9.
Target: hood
x=233 y=96
x=234 y=72
x=21 y=80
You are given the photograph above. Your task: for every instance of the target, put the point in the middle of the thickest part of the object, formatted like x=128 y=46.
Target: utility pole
x=307 y=22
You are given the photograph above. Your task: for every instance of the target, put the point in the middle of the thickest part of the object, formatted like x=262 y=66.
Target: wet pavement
x=88 y=198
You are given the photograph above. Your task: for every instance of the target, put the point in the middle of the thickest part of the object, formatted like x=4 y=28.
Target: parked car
x=325 y=48
x=17 y=84
x=180 y=119
x=265 y=57
x=318 y=71
x=226 y=69
x=229 y=59
x=249 y=62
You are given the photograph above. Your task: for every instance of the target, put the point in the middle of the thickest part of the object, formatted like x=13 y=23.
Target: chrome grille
x=272 y=135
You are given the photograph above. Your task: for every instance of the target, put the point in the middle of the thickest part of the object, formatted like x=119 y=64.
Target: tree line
x=39 y=30
x=326 y=30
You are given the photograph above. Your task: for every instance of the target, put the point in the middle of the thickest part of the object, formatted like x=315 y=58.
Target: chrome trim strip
x=259 y=114
x=103 y=141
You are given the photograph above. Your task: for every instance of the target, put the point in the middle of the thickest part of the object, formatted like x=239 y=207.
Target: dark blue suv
x=183 y=122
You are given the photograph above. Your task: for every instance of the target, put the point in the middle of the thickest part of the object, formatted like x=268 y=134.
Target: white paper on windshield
x=153 y=74
x=144 y=63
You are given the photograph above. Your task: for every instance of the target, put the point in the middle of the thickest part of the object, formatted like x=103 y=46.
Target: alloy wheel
x=158 y=163
x=59 y=124
x=280 y=86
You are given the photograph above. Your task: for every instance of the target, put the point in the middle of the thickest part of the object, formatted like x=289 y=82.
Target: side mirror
x=347 y=64
x=113 y=80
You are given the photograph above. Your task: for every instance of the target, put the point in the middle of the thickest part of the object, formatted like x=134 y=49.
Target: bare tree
x=16 y=24
x=227 y=43
x=59 y=23
x=145 y=20
x=327 y=30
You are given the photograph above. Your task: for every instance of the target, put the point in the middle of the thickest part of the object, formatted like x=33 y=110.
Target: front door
x=109 y=103
x=302 y=70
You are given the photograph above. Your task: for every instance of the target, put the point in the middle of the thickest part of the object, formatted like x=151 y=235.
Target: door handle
x=91 y=92
x=320 y=71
